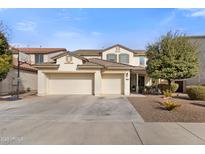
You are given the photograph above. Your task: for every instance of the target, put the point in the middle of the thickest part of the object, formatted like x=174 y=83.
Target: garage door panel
x=112 y=84
x=70 y=84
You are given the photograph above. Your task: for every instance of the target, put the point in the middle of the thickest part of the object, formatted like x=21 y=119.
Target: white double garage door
x=83 y=83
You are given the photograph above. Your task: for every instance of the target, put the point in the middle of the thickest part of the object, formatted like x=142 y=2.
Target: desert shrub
x=174 y=87
x=196 y=92
x=170 y=105
x=167 y=93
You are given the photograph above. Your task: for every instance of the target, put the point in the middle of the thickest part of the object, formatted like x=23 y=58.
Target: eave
x=41 y=66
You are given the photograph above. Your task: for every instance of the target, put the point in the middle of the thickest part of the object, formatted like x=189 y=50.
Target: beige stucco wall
x=27 y=80
x=47 y=57
x=68 y=66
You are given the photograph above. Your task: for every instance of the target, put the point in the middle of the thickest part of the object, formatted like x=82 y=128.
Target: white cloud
x=26 y=26
x=194 y=12
x=198 y=13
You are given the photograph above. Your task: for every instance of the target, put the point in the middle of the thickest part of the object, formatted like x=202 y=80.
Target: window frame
x=140 y=60
x=124 y=54
x=111 y=54
x=39 y=58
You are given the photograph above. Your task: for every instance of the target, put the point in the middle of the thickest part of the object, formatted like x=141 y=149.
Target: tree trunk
x=169 y=84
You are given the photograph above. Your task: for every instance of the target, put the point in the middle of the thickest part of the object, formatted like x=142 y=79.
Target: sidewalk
x=13 y=97
x=170 y=133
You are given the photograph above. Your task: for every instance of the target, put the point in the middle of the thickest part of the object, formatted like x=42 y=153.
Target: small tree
x=173 y=57
x=5 y=54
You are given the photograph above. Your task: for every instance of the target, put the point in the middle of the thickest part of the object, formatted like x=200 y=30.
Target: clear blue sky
x=98 y=28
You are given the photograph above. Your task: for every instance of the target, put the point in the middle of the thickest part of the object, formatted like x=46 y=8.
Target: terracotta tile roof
x=110 y=65
x=107 y=64
x=88 y=52
x=23 y=66
x=37 y=50
x=68 y=53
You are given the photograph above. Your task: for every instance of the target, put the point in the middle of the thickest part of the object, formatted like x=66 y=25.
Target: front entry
x=141 y=83
x=137 y=83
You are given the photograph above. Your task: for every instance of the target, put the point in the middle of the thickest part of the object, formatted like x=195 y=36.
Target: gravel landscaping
x=151 y=111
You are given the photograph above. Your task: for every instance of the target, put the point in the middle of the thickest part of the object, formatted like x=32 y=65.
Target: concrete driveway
x=69 y=120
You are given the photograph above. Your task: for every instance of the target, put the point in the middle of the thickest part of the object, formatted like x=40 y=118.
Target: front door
x=141 y=83
x=133 y=82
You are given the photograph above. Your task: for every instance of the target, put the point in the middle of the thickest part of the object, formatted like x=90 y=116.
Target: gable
x=68 y=62
x=117 y=49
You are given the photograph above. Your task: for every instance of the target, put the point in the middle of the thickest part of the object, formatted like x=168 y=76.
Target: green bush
x=196 y=92
x=165 y=87
x=174 y=87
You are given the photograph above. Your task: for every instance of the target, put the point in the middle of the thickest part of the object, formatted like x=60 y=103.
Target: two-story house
x=114 y=70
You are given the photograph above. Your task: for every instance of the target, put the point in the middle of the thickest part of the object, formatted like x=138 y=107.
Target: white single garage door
x=70 y=84
x=112 y=84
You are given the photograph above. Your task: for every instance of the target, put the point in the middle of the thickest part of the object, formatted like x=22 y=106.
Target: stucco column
x=42 y=83
x=97 y=83
x=137 y=87
x=127 y=83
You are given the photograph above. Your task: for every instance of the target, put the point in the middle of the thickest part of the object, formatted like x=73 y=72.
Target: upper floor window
x=124 y=58
x=112 y=57
x=142 y=60
x=38 y=58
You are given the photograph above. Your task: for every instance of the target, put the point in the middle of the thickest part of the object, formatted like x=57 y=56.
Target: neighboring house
x=114 y=70
x=200 y=78
x=39 y=55
x=28 y=74
x=28 y=79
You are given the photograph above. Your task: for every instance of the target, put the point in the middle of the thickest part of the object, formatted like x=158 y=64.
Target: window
x=68 y=59
x=38 y=58
x=124 y=58
x=112 y=57
x=142 y=60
